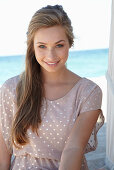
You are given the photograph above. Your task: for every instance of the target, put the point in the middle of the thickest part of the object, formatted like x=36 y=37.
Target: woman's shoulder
x=84 y=82
x=88 y=83
x=88 y=86
x=10 y=84
x=84 y=85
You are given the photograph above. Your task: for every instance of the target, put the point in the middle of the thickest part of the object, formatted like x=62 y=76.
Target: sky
x=90 y=20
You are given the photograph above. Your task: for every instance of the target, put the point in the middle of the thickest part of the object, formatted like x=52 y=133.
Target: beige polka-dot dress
x=58 y=117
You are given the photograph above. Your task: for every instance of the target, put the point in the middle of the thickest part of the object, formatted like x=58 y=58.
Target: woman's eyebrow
x=46 y=43
x=40 y=43
x=59 y=41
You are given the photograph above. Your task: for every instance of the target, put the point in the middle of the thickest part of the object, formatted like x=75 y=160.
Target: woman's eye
x=60 y=45
x=42 y=46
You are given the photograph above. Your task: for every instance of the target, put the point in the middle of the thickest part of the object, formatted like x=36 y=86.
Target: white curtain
x=110 y=98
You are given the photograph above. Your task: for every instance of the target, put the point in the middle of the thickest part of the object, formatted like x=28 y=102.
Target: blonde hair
x=31 y=83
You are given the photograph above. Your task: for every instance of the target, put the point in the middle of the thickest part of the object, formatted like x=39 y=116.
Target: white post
x=110 y=99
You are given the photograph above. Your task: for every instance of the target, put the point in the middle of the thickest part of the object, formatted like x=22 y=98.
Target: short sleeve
x=91 y=99
x=6 y=114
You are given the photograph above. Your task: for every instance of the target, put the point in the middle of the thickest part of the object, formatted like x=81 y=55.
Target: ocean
x=86 y=63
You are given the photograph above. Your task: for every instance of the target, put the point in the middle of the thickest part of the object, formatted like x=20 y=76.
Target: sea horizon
x=85 y=63
x=70 y=50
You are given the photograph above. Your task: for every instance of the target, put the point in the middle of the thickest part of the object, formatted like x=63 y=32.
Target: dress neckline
x=61 y=98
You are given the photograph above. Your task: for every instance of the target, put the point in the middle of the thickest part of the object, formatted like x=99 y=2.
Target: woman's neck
x=55 y=77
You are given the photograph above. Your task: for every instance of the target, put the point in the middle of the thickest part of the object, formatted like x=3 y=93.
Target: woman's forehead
x=52 y=34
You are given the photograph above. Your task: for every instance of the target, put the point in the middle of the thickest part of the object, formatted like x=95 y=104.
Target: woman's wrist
x=71 y=159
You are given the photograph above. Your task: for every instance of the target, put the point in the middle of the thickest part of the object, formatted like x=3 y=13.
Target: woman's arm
x=73 y=152
x=71 y=159
x=5 y=156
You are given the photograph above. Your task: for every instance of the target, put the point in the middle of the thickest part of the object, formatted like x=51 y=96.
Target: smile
x=52 y=64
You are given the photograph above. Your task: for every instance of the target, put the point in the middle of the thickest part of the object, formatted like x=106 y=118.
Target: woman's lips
x=52 y=63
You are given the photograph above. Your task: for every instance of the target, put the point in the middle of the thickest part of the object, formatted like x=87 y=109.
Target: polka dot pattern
x=58 y=117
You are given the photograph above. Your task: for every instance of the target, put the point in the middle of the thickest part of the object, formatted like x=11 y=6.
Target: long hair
x=30 y=89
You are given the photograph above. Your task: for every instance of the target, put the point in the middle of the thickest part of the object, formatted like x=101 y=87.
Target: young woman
x=49 y=116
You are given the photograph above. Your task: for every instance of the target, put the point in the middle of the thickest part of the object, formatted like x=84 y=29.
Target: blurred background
x=91 y=23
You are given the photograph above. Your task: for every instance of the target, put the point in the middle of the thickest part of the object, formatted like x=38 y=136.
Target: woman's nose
x=51 y=54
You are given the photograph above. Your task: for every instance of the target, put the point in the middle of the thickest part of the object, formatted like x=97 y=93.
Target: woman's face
x=51 y=48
